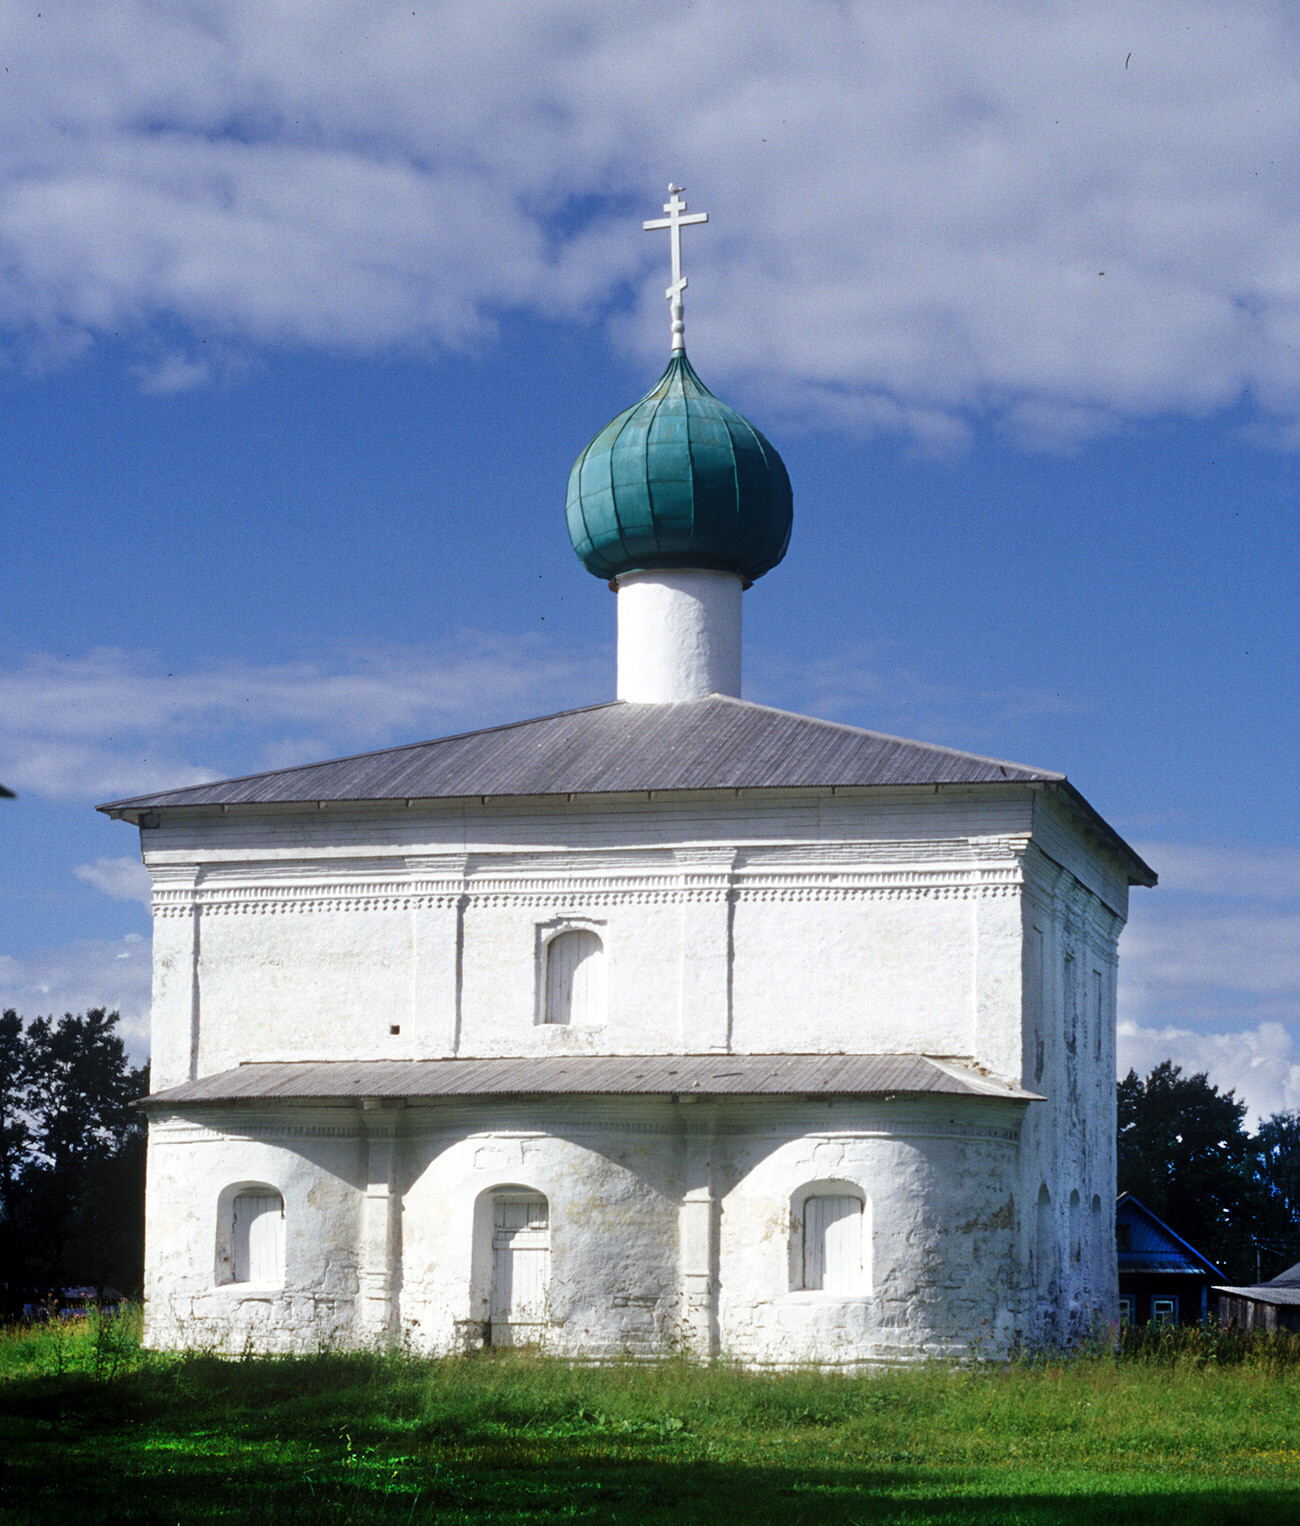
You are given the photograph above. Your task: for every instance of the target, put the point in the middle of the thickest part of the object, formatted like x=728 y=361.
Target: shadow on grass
x=91 y=1487
x=354 y=1440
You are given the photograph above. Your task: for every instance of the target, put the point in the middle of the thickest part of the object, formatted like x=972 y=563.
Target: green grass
x=1186 y=1429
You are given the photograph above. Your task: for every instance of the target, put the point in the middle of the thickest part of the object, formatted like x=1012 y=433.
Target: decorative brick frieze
x=183 y=1130
x=697 y=876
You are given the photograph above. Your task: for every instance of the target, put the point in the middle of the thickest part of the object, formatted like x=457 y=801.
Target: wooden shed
x=1271 y=1305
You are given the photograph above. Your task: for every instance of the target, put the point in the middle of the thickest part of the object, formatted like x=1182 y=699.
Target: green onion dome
x=679 y=480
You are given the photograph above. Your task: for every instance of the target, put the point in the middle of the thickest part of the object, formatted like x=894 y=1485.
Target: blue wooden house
x=1161 y=1277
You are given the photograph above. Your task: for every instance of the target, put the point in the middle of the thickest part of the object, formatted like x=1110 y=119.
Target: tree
x=1184 y=1152
x=14 y=1134
x=1277 y=1167
x=79 y=1088
x=71 y=1153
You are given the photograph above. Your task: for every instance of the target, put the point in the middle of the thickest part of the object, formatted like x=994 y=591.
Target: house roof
x=705 y=744
x=767 y=1075
x=1282 y=1289
x=1158 y=1248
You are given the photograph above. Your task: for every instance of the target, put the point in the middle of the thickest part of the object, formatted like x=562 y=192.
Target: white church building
x=672 y=1023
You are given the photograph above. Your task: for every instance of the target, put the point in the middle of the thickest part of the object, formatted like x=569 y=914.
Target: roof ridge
x=886 y=736
x=376 y=752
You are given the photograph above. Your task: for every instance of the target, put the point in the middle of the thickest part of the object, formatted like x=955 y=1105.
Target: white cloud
x=172 y=373
x=869 y=682
x=1226 y=869
x=1204 y=958
x=112 y=723
x=1210 y=968
x=1261 y=1064
x=126 y=879
x=91 y=972
x=1219 y=941
x=1068 y=217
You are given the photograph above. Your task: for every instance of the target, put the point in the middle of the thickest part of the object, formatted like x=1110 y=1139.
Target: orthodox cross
x=675 y=222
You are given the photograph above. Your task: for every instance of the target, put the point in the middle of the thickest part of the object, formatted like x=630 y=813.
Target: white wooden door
x=832 y=1244
x=259 y=1237
x=521 y=1264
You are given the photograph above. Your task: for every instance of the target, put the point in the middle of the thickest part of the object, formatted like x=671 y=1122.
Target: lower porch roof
x=765 y=1075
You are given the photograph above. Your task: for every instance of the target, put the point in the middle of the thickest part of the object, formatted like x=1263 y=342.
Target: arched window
x=257 y=1236
x=1076 y=1226
x=832 y=1248
x=1045 y=1248
x=575 y=979
x=521 y=1266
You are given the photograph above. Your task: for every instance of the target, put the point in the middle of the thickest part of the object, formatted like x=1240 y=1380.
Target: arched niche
x=250 y=1235
x=511 y=1264
x=573 y=979
x=830 y=1238
x=1044 y=1243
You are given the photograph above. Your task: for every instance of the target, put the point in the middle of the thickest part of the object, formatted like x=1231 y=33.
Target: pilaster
x=174 y=1009
x=704 y=1023
x=437 y=948
x=378 y=1264
x=698 y=1235
x=997 y=941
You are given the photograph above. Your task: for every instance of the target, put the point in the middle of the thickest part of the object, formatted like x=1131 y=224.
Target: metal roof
x=764 y=1075
x=1282 y=1289
x=1264 y=1292
x=716 y=743
x=1166 y=1265
x=703 y=744
x=1154 y=1246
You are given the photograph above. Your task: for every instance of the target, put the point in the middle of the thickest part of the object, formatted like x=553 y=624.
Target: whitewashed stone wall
x=976 y=924
x=318 y=1165
x=1071 y=968
x=672 y=1226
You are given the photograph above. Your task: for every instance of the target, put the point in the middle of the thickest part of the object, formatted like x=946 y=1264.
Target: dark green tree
x=80 y=1087
x=14 y=1138
x=1277 y=1166
x=1184 y=1151
x=83 y=1182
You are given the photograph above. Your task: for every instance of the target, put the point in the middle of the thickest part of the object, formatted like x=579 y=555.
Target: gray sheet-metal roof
x=619 y=748
x=596 y=1075
x=1282 y=1289
x=1264 y=1292
x=713 y=743
x=1166 y=1266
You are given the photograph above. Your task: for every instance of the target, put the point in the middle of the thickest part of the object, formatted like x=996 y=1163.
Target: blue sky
x=303 y=319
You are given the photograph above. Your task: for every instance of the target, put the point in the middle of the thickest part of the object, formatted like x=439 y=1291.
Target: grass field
x=1188 y=1430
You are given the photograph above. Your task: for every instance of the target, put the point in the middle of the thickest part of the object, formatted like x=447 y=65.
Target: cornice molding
x=961 y=869
x=693 y=881
x=410 y=1126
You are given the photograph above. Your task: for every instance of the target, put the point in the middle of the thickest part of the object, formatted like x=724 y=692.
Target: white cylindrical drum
x=678 y=635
